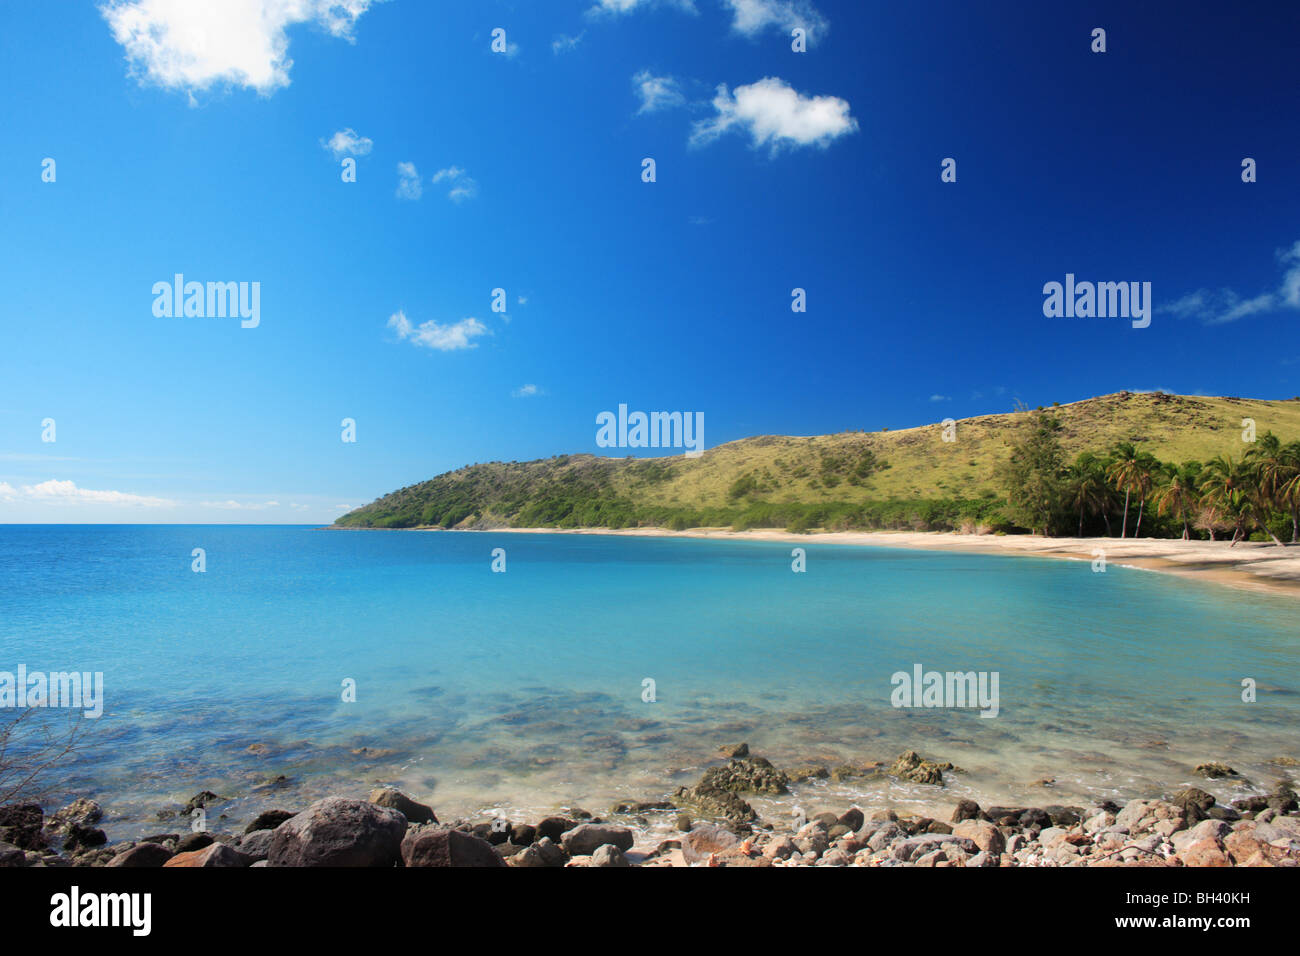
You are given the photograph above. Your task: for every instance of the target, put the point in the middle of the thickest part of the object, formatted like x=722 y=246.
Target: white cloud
x=776 y=115
x=67 y=492
x=936 y=397
x=522 y=300
x=462 y=187
x=564 y=43
x=1218 y=307
x=432 y=335
x=627 y=6
x=232 y=505
x=657 y=92
x=347 y=143
x=192 y=45
x=408 y=182
x=751 y=17
x=526 y=391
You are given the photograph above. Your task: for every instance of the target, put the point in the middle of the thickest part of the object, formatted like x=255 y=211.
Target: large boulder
x=142 y=854
x=215 y=855
x=257 y=844
x=585 y=839
x=445 y=847
x=396 y=800
x=706 y=839
x=268 y=820
x=339 y=832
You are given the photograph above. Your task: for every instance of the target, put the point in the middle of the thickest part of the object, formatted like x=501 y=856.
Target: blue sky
x=188 y=143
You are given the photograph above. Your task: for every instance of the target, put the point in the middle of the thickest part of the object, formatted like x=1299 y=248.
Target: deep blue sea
x=524 y=690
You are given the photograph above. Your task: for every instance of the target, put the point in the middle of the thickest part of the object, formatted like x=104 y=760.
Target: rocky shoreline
x=716 y=826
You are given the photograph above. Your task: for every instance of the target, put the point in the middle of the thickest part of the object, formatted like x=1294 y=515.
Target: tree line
x=1257 y=492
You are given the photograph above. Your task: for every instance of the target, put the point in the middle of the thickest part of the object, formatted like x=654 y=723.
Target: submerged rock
x=912 y=766
x=414 y=811
x=1214 y=769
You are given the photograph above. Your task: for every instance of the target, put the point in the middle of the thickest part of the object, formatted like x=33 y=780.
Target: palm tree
x=1120 y=471
x=1086 y=487
x=1147 y=469
x=1131 y=471
x=1178 y=494
x=1286 y=480
x=1225 y=485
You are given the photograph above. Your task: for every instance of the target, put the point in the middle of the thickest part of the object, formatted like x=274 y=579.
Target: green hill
x=904 y=478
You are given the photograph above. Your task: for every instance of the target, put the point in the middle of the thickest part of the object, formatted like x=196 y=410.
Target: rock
x=1205 y=830
x=780 y=848
x=714 y=802
x=983 y=834
x=1035 y=818
x=966 y=810
x=746 y=775
x=911 y=766
x=1251 y=804
x=1005 y=816
x=707 y=839
x=1063 y=816
x=541 y=853
x=1283 y=798
x=884 y=836
x=396 y=800
x=193 y=841
x=339 y=832
x=216 y=855
x=1195 y=801
x=801 y=774
x=1214 y=770
x=812 y=838
x=257 y=844
x=523 y=834
x=81 y=813
x=735 y=750
x=78 y=837
x=914 y=848
x=201 y=800
x=142 y=854
x=642 y=807
x=23 y=823
x=552 y=828
x=684 y=822
x=1226 y=814
x=583 y=840
x=268 y=820
x=1206 y=852
x=610 y=855
x=852 y=818
x=447 y=847
x=11 y=856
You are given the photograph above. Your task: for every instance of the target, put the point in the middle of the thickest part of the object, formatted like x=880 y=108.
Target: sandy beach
x=1251 y=565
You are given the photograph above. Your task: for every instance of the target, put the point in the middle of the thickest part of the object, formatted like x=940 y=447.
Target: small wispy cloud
x=527 y=391
x=657 y=92
x=434 y=335
x=461 y=185
x=615 y=7
x=1218 y=307
x=408 y=182
x=777 y=116
x=346 y=142
x=564 y=43
x=936 y=397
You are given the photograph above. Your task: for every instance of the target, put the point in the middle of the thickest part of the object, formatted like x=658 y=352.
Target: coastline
x=1250 y=565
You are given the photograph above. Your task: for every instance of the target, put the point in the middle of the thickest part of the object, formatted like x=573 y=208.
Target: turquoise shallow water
x=524 y=690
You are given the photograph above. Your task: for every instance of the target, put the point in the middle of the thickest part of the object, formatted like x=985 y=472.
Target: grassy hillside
x=747 y=482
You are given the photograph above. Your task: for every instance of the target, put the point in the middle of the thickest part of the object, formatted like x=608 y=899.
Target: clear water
x=523 y=690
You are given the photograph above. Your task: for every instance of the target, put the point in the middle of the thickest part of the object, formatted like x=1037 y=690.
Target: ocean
x=598 y=669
